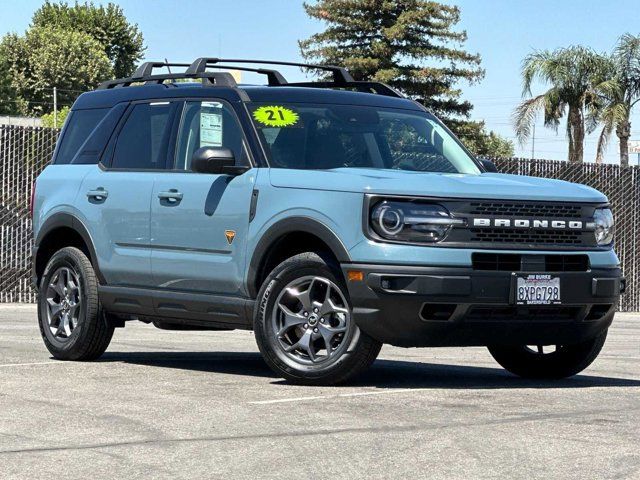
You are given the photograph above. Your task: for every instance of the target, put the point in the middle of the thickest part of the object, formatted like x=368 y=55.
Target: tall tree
x=46 y=57
x=9 y=103
x=122 y=41
x=618 y=103
x=576 y=77
x=412 y=45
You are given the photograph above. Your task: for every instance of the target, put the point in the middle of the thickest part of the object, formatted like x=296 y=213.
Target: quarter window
x=144 y=138
x=80 y=125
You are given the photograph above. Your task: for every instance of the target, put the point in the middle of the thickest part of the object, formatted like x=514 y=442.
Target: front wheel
x=304 y=326
x=548 y=362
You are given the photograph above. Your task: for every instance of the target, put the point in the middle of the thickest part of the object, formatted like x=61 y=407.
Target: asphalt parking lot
x=203 y=405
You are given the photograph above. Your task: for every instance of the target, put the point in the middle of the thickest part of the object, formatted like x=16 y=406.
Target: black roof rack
x=274 y=77
x=198 y=70
x=340 y=74
x=210 y=78
x=143 y=74
x=146 y=69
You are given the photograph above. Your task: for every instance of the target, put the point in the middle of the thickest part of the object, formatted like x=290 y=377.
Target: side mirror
x=489 y=166
x=218 y=160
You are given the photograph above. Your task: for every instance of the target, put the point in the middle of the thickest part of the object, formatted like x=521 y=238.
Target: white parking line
x=341 y=395
x=29 y=364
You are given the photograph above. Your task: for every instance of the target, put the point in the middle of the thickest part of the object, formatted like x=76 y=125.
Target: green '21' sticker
x=275 y=116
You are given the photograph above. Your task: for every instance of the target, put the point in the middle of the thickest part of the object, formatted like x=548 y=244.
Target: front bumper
x=436 y=306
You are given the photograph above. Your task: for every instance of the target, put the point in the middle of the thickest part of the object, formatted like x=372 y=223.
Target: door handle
x=99 y=194
x=172 y=196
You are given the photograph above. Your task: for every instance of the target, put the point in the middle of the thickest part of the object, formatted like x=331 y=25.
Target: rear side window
x=79 y=126
x=144 y=138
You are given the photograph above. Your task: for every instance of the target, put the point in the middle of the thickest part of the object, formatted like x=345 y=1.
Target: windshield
x=319 y=137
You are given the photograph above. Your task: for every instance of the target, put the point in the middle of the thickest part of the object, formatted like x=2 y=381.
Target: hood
x=398 y=182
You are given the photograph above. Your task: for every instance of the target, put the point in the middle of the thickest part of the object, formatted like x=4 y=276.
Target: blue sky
x=502 y=31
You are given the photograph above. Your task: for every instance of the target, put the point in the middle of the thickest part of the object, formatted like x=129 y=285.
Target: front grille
x=509 y=262
x=526 y=236
x=494 y=233
x=525 y=209
x=496 y=262
x=566 y=263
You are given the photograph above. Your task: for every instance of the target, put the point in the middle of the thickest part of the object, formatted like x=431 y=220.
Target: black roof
x=241 y=93
x=315 y=95
x=143 y=85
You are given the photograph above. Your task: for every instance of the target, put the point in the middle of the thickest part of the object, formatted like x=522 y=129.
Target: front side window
x=143 y=141
x=306 y=136
x=208 y=124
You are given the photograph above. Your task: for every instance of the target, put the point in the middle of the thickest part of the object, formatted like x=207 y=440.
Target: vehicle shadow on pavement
x=401 y=374
x=382 y=374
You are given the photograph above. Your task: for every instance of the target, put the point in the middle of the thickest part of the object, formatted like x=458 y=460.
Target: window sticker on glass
x=275 y=116
x=210 y=128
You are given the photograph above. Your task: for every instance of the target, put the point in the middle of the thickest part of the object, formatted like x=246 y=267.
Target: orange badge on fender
x=230 y=234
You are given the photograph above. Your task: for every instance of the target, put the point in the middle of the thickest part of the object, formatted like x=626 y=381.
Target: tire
x=565 y=361
x=70 y=306
x=298 y=285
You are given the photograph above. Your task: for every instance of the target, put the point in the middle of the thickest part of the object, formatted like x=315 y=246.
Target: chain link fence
x=25 y=151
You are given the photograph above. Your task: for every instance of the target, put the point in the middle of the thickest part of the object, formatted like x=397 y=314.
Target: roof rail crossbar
x=340 y=74
x=214 y=78
x=360 y=86
x=146 y=69
x=274 y=77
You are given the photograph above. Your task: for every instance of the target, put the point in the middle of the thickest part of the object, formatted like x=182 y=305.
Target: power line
x=35 y=102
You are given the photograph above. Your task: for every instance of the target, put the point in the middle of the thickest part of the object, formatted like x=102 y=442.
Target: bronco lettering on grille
x=532 y=223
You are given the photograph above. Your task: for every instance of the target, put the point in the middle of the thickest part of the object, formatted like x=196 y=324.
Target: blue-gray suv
x=328 y=217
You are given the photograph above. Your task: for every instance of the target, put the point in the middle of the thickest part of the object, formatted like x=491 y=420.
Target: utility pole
x=533 y=143
x=55 y=107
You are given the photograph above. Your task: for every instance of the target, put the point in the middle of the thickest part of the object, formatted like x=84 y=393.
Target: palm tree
x=576 y=76
x=616 y=104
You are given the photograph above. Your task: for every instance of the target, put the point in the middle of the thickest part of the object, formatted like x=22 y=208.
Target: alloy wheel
x=63 y=299
x=311 y=319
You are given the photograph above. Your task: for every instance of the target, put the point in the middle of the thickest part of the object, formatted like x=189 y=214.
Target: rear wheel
x=304 y=326
x=72 y=323
x=548 y=361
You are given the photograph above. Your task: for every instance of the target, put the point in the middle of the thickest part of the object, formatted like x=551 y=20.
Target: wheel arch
x=58 y=231
x=282 y=240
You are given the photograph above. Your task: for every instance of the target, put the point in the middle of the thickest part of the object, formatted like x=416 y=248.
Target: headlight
x=603 y=219
x=414 y=222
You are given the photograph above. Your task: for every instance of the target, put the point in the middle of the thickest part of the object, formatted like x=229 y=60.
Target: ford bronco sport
x=328 y=217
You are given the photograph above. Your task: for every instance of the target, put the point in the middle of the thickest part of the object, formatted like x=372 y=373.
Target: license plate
x=538 y=290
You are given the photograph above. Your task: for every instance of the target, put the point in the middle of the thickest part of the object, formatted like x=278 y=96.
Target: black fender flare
x=64 y=219
x=291 y=225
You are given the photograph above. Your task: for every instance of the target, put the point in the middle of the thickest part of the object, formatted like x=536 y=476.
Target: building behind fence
x=25 y=151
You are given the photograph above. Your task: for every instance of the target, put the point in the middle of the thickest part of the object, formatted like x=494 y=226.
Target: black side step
x=185 y=308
